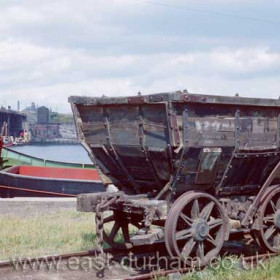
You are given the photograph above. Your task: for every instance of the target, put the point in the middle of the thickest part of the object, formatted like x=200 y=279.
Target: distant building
x=43 y=115
x=15 y=121
x=43 y=132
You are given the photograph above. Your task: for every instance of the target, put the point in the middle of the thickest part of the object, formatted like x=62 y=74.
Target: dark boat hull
x=22 y=181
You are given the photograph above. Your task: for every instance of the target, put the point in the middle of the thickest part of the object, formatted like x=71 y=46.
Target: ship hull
x=26 y=181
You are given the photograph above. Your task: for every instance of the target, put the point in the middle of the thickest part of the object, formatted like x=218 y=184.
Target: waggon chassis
x=195 y=219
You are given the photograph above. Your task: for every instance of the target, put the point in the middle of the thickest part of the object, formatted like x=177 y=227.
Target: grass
x=52 y=233
x=70 y=231
x=270 y=270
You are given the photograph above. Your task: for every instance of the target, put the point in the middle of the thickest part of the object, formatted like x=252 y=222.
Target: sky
x=50 y=50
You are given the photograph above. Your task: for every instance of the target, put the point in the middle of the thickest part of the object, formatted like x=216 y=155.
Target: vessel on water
x=9 y=141
x=48 y=181
x=11 y=157
x=24 y=175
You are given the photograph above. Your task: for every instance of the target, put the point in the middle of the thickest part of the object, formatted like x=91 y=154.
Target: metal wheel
x=269 y=219
x=196 y=228
x=117 y=229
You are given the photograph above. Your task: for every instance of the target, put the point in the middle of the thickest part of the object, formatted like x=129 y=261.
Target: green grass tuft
x=52 y=233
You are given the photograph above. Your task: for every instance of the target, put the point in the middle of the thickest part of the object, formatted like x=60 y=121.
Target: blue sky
x=50 y=50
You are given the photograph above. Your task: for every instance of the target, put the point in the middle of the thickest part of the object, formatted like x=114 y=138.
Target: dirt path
x=25 y=207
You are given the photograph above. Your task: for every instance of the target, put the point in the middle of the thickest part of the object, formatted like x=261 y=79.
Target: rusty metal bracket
x=237 y=129
x=278 y=131
x=173 y=126
x=181 y=164
x=229 y=166
x=185 y=127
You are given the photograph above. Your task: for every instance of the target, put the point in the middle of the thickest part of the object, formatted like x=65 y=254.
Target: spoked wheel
x=195 y=228
x=269 y=219
x=117 y=229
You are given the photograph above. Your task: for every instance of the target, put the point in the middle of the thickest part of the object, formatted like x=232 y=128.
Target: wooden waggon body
x=220 y=144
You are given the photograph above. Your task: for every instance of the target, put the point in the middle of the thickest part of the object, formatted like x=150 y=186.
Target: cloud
x=52 y=49
x=35 y=72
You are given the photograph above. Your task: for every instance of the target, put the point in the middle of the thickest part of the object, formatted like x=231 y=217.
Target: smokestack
x=18 y=105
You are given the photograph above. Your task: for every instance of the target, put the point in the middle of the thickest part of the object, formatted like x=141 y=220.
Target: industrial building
x=14 y=120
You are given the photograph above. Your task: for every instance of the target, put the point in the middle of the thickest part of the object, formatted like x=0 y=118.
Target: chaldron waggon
x=184 y=166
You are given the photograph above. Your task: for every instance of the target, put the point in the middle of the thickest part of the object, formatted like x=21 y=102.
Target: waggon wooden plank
x=162 y=162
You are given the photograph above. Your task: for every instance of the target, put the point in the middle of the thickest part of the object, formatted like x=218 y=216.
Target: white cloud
x=52 y=49
x=14 y=54
x=42 y=74
x=247 y=60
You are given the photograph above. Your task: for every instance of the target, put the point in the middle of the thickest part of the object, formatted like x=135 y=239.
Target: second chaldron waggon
x=185 y=166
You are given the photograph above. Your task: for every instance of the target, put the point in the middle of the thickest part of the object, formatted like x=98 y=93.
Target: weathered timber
x=138 y=141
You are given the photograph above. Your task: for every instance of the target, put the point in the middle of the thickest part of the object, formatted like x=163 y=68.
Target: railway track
x=249 y=259
x=7 y=263
x=139 y=253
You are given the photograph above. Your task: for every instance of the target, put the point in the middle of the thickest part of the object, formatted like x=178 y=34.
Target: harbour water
x=65 y=153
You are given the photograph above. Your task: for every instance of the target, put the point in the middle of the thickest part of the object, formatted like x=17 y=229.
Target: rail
x=138 y=252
